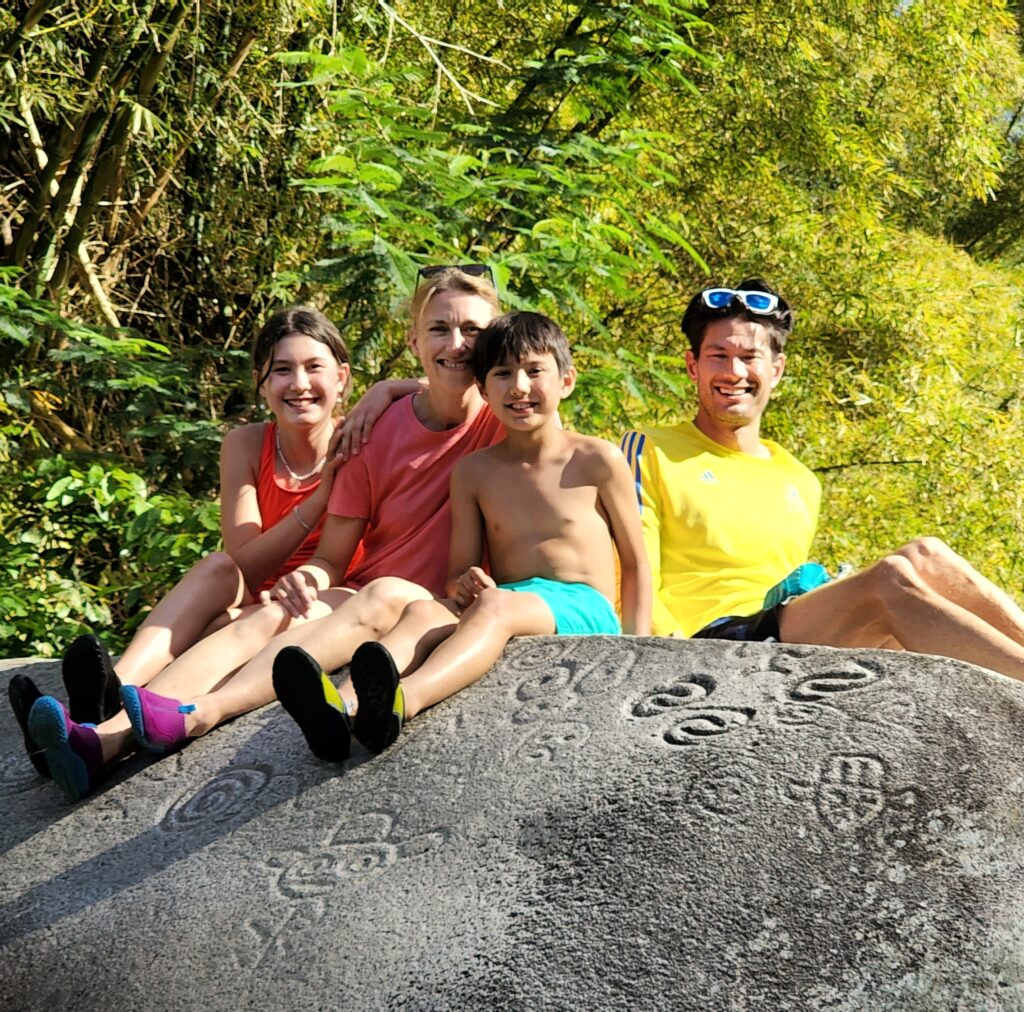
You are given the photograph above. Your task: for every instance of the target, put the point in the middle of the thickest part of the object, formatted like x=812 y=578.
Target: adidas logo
x=709 y=477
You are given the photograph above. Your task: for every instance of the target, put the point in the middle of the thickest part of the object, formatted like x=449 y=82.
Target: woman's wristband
x=301 y=520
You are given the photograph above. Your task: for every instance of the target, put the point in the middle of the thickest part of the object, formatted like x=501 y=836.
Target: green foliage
x=546 y=179
x=921 y=437
x=91 y=546
x=606 y=158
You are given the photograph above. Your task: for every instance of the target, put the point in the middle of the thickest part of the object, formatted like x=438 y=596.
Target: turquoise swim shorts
x=579 y=610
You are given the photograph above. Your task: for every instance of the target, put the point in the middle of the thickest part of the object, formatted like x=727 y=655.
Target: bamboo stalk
x=160 y=184
x=96 y=288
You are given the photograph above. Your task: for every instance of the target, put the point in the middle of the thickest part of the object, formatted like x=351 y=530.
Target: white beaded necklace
x=316 y=469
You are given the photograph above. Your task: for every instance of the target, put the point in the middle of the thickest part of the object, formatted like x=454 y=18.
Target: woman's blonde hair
x=451 y=279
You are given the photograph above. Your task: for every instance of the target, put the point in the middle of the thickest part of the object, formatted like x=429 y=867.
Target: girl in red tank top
x=275 y=483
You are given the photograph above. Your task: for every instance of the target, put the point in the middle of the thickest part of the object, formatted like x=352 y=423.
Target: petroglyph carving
x=708 y=723
x=697 y=722
x=219 y=800
x=802 y=714
x=608 y=673
x=552 y=741
x=537 y=655
x=358 y=845
x=553 y=687
x=727 y=794
x=852 y=791
x=683 y=694
x=821 y=685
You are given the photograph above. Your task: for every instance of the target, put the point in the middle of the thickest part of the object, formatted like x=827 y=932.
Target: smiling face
x=523 y=393
x=304 y=381
x=735 y=374
x=444 y=336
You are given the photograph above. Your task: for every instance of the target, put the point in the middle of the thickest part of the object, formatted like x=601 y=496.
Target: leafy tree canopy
x=170 y=173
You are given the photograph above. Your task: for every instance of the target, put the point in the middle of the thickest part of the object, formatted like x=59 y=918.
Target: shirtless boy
x=548 y=503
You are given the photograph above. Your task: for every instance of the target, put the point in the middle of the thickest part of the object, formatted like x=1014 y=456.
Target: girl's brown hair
x=297 y=320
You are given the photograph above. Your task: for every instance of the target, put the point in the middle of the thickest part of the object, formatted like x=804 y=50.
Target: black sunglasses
x=475 y=270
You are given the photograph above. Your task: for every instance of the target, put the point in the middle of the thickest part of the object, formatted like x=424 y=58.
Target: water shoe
x=381 y=711
x=313 y=702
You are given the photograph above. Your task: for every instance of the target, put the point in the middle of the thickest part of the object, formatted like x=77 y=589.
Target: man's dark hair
x=778 y=323
x=509 y=337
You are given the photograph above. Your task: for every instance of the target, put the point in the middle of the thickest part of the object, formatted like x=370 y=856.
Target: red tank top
x=276 y=501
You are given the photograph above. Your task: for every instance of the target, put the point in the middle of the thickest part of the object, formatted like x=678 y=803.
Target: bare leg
x=423 y=626
x=470 y=651
x=208 y=589
x=202 y=668
x=919 y=599
x=953 y=577
x=331 y=639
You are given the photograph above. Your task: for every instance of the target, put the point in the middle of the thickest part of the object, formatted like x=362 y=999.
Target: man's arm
x=466 y=550
x=615 y=489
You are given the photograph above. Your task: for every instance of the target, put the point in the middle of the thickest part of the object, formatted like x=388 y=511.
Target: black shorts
x=761 y=626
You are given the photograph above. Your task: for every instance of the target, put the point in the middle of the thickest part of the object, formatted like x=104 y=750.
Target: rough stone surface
x=597 y=824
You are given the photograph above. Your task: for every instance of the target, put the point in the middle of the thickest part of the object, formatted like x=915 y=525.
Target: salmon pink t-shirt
x=399 y=483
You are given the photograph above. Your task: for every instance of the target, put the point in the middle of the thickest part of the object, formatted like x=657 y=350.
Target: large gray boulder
x=599 y=823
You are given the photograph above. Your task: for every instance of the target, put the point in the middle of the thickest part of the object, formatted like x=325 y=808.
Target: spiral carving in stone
x=218 y=800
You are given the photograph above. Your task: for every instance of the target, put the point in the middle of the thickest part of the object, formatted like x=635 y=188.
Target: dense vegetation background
x=171 y=172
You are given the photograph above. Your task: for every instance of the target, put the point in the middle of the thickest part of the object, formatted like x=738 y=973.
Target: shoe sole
x=375 y=680
x=91 y=682
x=49 y=730
x=298 y=684
x=22 y=693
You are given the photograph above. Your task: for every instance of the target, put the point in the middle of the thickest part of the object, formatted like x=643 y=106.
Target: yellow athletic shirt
x=721 y=527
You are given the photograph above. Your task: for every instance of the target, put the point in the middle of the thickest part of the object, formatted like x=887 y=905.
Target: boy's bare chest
x=538 y=500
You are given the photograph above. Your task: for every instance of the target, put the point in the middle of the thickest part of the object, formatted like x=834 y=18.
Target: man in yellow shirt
x=727 y=515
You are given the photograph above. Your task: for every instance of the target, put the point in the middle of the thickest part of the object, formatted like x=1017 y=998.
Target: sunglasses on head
x=756 y=302
x=475 y=270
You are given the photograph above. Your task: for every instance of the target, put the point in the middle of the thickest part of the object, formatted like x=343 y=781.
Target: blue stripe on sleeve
x=633 y=447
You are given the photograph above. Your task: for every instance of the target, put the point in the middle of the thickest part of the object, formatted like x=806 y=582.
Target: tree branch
x=865 y=463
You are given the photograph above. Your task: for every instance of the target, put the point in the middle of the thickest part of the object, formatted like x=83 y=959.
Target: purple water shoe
x=158 y=721
x=73 y=753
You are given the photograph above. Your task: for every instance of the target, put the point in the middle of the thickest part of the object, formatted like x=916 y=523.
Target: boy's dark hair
x=778 y=323
x=296 y=320
x=509 y=337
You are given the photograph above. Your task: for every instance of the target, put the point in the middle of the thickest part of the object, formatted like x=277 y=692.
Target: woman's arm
x=298 y=589
x=260 y=551
x=256 y=551
x=359 y=422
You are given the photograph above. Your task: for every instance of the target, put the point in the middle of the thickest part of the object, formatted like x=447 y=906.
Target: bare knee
x=262 y=619
x=218 y=570
x=928 y=553
x=426 y=614
x=381 y=602
x=892 y=579
x=488 y=607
